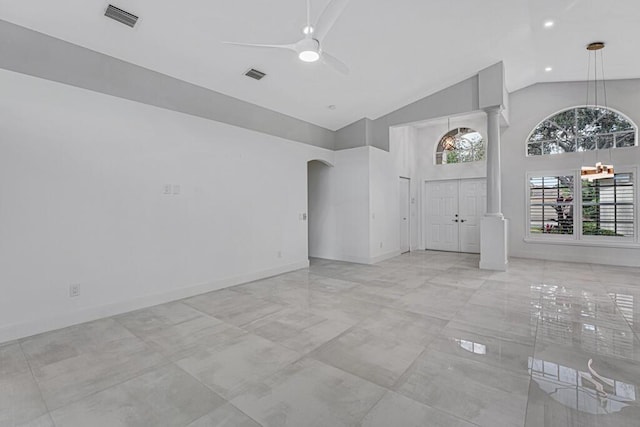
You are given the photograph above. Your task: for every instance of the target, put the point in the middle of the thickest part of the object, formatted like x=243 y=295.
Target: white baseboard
x=360 y=260
x=580 y=257
x=494 y=266
x=33 y=327
x=385 y=257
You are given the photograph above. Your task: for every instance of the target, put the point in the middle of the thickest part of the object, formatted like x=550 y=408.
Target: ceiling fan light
x=309 y=56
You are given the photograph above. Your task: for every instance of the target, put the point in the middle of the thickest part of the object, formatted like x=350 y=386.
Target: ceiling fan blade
x=329 y=16
x=268 y=46
x=335 y=63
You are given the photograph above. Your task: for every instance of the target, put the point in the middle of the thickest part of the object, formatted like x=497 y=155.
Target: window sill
x=574 y=242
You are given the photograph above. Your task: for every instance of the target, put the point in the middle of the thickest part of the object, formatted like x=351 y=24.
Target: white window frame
x=577 y=238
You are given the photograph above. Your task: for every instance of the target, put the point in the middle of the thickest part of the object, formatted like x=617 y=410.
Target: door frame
x=408 y=179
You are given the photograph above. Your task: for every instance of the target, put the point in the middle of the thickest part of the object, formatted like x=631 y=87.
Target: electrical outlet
x=381 y=244
x=166 y=189
x=279 y=254
x=74 y=290
x=176 y=189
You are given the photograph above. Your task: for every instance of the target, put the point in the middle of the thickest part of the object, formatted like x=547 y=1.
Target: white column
x=493 y=227
x=494 y=171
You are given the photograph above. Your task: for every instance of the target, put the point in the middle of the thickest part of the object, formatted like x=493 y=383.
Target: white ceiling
x=398 y=50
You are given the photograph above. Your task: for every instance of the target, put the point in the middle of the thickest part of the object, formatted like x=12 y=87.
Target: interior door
x=453 y=212
x=472 y=204
x=442 y=231
x=404 y=214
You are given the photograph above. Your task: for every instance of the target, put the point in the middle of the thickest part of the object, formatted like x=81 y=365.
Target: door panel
x=473 y=202
x=441 y=206
x=404 y=215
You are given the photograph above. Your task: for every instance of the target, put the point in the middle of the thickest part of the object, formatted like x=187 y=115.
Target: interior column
x=493 y=226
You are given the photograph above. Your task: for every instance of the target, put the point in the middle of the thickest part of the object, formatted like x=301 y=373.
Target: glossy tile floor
x=424 y=339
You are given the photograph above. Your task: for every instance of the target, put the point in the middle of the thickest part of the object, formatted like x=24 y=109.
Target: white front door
x=472 y=206
x=453 y=212
x=441 y=209
x=404 y=215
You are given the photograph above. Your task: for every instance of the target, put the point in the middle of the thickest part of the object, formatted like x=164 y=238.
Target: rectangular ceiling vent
x=121 y=16
x=255 y=74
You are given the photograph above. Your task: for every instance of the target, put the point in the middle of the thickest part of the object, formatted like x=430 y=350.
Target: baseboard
x=360 y=260
x=33 y=327
x=343 y=258
x=385 y=257
x=580 y=257
x=494 y=266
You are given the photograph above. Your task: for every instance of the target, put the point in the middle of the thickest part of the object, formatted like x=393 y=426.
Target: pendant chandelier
x=450 y=141
x=599 y=171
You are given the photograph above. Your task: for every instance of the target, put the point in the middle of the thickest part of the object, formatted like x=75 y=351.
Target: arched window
x=581 y=129
x=460 y=145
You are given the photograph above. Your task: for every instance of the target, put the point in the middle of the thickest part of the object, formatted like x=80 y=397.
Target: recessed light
x=548 y=69
x=331 y=107
x=549 y=24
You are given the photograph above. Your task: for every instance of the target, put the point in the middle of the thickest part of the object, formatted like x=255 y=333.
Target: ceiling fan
x=309 y=48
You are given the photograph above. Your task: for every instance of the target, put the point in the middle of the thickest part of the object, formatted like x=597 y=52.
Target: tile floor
x=424 y=339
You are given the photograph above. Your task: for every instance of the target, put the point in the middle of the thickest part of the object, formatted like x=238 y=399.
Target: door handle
x=463 y=220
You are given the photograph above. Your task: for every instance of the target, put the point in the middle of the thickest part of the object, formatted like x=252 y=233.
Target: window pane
x=586 y=143
x=608 y=206
x=534 y=149
x=605 y=141
x=626 y=139
x=544 y=131
x=557 y=147
x=551 y=205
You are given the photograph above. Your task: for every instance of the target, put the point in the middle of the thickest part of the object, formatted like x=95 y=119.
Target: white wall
x=529 y=106
x=384 y=205
x=351 y=190
x=81 y=201
x=353 y=207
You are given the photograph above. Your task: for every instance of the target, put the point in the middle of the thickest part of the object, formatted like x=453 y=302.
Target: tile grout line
x=35 y=380
x=175 y=365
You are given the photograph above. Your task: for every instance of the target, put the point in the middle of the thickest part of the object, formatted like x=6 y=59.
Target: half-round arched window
x=460 y=145
x=582 y=129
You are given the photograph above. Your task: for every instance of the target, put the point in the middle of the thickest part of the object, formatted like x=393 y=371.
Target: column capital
x=496 y=109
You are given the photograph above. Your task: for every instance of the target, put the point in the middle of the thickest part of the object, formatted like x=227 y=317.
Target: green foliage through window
x=581 y=129
x=551 y=204
x=608 y=206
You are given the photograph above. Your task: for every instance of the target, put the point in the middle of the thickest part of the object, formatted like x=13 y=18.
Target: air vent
x=121 y=16
x=255 y=74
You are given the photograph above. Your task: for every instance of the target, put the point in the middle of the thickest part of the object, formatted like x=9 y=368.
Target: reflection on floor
x=424 y=339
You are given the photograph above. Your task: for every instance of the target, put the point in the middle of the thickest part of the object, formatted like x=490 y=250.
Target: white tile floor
x=424 y=339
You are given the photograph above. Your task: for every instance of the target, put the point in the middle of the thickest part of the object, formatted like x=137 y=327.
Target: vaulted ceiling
x=398 y=51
